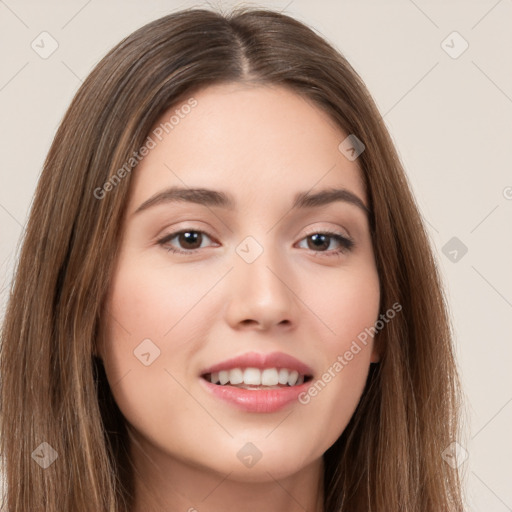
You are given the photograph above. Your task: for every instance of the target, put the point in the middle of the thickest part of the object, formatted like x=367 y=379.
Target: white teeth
x=252 y=376
x=223 y=377
x=269 y=377
x=236 y=376
x=256 y=377
x=292 y=378
x=283 y=376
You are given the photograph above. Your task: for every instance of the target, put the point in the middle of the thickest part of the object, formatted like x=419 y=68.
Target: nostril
x=249 y=322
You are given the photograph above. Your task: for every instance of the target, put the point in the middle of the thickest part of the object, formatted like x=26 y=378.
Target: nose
x=261 y=294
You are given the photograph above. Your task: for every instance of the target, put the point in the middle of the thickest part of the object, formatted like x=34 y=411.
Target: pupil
x=322 y=239
x=191 y=237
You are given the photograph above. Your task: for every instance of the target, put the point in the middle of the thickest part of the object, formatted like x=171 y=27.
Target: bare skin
x=261 y=145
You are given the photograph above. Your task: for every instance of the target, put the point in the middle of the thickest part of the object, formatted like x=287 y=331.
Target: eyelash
x=346 y=244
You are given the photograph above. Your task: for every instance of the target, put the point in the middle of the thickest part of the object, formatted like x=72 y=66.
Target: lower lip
x=257 y=400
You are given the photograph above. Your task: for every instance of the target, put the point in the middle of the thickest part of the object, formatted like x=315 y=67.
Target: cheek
x=147 y=344
x=345 y=304
x=348 y=308
x=148 y=301
x=155 y=321
x=333 y=395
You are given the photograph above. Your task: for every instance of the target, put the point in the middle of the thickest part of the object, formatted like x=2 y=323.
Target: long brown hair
x=53 y=388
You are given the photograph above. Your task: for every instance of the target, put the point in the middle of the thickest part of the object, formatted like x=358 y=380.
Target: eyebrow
x=209 y=197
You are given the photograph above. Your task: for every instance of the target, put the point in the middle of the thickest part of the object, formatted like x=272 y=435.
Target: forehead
x=253 y=140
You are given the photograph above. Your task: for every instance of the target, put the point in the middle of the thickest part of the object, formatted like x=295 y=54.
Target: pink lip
x=261 y=361
x=257 y=400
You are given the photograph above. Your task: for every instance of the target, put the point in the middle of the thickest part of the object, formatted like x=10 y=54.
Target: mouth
x=257 y=378
x=258 y=383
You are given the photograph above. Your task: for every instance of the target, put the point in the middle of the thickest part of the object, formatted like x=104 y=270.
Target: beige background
x=451 y=119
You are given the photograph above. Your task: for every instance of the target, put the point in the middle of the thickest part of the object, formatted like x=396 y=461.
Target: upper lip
x=261 y=361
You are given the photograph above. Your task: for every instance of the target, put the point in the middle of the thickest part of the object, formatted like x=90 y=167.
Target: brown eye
x=190 y=239
x=186 y=241
x=321 y=241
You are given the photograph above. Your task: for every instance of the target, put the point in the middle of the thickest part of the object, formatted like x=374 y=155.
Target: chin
x=261 y=461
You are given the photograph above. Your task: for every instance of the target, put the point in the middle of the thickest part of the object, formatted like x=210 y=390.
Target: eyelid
x=327 y=226
x=330 y=231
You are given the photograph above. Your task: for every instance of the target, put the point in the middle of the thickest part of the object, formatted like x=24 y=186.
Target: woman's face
x=260 y=273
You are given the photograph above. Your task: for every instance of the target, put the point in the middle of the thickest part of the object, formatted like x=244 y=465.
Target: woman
x=226 y=297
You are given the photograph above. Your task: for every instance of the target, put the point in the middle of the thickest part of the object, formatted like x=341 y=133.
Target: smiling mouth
x=255 y=378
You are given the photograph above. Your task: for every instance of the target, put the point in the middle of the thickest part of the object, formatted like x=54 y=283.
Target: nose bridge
x=259 y=263
x=261 y=290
